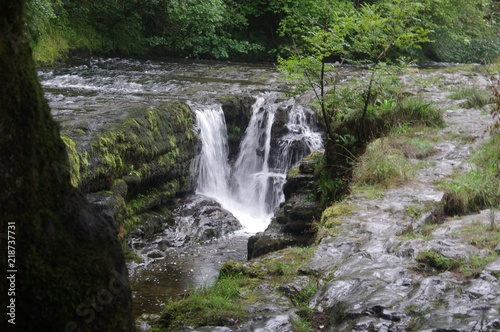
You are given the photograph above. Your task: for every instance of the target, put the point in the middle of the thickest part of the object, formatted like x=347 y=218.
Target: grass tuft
x=415 y=110
x=479 y=234
x=383 y=165
x=210 y=305
x=468 y=268
x=437 y=261
x=474 y=97
x=480 y=187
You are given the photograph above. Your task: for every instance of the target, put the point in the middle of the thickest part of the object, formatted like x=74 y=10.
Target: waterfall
x=251 y=188
x=211 y=165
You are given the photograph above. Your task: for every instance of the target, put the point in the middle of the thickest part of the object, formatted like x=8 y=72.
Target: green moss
x=332 y=216
x=129 y=224
x=235 y=269
x=148 y=141
x=154 y=197
x=332 y=219
x=293 y=172
x=74 y=160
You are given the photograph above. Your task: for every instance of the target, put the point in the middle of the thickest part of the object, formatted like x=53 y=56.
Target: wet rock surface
x=199 y=219
x=292 y=225
x=378 y=283
x=372 y=276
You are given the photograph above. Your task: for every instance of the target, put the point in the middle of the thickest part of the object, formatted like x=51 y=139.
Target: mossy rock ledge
x=135 y=165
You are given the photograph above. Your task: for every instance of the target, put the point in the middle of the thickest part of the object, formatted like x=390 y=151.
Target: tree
x=64 y=263
x=371 y=35
x=462 y=30
x=198 y=28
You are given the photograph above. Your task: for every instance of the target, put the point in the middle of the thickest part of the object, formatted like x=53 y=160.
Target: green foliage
x=462 y=30
x=328 y=187
x=199 y=29
x=301 y=324
x=40 y=14
x=387 y=26
x=368 y=34
x=303 y=23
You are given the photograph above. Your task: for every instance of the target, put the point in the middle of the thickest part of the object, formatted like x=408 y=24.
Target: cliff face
x=67 y=267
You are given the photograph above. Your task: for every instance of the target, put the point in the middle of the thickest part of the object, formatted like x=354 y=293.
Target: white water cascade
x=251 y=188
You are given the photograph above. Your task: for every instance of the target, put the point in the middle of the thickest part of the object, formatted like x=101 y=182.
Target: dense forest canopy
x=250 y=30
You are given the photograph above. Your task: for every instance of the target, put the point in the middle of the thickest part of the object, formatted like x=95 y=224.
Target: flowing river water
x=94 y=90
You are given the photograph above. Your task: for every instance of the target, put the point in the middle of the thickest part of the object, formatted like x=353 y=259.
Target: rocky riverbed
x=392 y=264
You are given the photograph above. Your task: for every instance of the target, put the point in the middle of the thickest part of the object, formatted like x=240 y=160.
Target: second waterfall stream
x=251 y=186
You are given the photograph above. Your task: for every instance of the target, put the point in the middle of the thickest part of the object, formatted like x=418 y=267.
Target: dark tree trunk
x=69 y=271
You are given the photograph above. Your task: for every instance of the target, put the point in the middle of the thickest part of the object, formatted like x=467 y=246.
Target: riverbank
x=394 y=260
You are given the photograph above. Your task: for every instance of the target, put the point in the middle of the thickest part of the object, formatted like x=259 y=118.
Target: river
x=96 y=90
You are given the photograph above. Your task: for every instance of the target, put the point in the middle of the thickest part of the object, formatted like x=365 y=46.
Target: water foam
x=250 y=189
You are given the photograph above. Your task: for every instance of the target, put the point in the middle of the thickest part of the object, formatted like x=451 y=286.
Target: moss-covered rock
x=144 y=159
x=152 y=143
